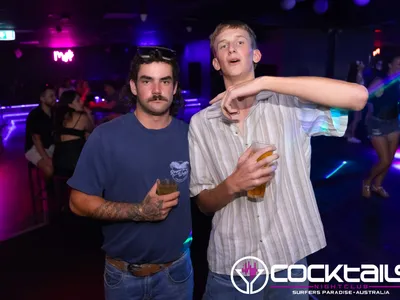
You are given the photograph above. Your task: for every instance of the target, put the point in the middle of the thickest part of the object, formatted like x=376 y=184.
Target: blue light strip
x=337 y=169
x=10 y=130
x=189 y=239
x=19 y=106
x=25 y=114
x=97 y=98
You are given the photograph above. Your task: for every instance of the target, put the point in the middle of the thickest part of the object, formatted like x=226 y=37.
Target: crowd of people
x=56 y=131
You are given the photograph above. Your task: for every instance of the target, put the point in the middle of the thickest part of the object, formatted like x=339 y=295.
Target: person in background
x=284 y=225
x=114 y=104
x=355 y=75
x=66 y=86
x=73 y=124
x=117 y=180
x=374 y=71
x=383 y=125
x=112 y=96
x=39 y=142
x=114 y=100
x=370 y=74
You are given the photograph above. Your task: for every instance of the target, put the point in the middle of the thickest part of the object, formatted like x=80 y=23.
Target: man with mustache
x=117 y=178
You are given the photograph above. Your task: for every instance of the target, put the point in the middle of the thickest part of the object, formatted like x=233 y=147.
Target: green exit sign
x=7 y=35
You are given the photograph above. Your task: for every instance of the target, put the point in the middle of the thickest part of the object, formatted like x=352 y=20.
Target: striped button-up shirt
x=285 y=226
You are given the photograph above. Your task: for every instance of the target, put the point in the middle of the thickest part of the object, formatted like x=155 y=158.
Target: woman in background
x=355 y=75
x=375 y=70
x=73 y=123
x=383 y=126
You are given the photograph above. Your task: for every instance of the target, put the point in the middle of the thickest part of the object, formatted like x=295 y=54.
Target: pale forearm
x=319 y=90
x=210 y=201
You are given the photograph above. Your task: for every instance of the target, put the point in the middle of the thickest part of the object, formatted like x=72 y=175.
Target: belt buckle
x=134 y=268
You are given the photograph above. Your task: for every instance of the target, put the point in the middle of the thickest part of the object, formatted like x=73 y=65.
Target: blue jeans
x=174 y=282
x=220 y=287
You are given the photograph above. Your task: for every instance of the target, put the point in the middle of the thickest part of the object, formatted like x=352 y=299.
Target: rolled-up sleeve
x=200 y=177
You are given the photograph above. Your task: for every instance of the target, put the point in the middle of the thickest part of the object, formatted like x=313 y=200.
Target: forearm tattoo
x=148 y=210
x=115 y=211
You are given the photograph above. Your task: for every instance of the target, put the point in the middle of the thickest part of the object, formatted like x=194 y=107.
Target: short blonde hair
x=233 y=24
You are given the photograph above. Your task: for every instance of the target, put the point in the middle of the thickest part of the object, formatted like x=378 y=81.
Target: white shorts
x=33 y=155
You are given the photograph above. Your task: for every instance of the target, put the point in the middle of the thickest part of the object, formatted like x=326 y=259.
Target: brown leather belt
x=137 y=270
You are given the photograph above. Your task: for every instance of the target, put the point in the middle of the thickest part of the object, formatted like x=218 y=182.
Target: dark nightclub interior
x=87 y=46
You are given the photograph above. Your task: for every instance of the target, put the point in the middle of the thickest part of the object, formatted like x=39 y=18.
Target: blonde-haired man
x=284 y=226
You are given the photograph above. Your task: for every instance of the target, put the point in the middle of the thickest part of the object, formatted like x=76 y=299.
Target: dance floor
x=63 y=261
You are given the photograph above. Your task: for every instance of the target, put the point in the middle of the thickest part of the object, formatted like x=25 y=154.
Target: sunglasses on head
x=149 y=51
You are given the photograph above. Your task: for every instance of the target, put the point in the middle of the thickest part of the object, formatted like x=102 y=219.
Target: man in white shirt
x=284 y=226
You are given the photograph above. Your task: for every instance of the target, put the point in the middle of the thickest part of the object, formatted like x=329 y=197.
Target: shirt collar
x=214 y=111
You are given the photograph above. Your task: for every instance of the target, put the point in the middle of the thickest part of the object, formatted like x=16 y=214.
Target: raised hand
x=235 y=92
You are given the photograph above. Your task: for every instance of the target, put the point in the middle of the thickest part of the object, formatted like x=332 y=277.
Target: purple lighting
x=396 y=161
x=15 y=115
x=193 y=102
x=65 y=57
x=19 y=106
x=10 y=130
x=288 y=4
x=18 y=120
x=148 y=38
x=396 y=165
x=361 y=2
x=321 y=6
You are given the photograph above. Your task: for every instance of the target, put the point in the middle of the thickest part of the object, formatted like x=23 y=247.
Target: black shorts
x=379 y=127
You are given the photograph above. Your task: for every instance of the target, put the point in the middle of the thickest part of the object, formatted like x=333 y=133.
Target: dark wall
x=305 y=51
x=195 y=69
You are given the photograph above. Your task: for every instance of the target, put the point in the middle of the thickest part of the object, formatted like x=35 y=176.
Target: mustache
x=157 y=97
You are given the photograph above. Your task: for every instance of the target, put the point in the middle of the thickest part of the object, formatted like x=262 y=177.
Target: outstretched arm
x=319 y=90
x=323 y=91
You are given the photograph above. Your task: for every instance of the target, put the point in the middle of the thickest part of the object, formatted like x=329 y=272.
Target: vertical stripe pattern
x=285 y=226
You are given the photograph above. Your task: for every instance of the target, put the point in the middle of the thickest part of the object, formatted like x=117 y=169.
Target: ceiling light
x=288 y=4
